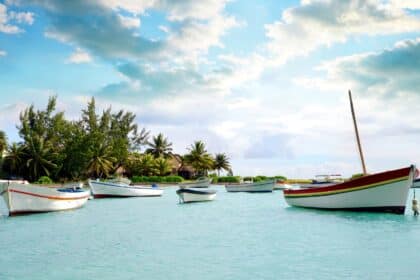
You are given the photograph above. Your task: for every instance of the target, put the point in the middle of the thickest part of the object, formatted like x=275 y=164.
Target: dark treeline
x=95 y=146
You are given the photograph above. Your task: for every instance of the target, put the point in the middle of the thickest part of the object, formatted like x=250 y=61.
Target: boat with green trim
x=381 y=192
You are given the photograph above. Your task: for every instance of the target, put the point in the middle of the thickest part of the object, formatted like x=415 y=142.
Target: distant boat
x=200 y=183
x=195 y=195
x=380 y=192
x=121 y=188
x=263 y=186
x=24 y=198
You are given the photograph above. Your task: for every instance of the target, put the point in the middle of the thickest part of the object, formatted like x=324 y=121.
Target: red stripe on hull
x=121 y=196
x=362 y=181
x=49 y=197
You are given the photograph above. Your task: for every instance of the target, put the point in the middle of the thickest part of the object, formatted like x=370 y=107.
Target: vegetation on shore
x=97 y=146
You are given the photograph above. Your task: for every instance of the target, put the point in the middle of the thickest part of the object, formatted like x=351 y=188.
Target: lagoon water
x=237 y=236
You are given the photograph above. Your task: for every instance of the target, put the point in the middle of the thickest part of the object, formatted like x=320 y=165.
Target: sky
x=265 y=82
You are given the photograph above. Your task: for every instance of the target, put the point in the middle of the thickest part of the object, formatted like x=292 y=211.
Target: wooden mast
x=357 y=135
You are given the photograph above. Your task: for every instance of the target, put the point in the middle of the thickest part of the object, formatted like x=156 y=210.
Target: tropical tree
x=101 y=161
x=3 y=143
x=199 y=158
x=139 y=139
x=13 y=161
x=40 y=158
x=221 y=162
x=159 y=146
x=162 y=166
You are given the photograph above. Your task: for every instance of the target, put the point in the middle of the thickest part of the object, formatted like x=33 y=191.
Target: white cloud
x=19 y=17
x=129 y=22
x=22 y=17
x=3 y=53
x=79 y=56
x=322 y=23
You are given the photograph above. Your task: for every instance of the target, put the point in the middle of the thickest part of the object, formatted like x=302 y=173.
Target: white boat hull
x=386 y=194
x=190 y=197
x=265 y=186
x=106 y=189
x=27 y=198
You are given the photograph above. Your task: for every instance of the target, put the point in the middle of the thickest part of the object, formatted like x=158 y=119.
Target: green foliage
x=162 y=167
x=280 y=178
x=221 y=162
x=44 y=180
x=13 y=161
x=156 y=179
x=159 y=146
x=229 y=179
x=199 y=158
x=96 y=145
x=3 y=143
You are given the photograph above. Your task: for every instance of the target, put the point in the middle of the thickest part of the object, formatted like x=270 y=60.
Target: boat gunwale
x=363 y=183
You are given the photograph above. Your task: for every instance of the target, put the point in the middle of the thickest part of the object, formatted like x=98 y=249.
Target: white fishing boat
x=200 y=183
x=23 y=198
x=263 y=186
x=121 y=188
x=380 y=192
x=195 y=195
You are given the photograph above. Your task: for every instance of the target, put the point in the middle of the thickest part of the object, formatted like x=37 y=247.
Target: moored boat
x=121 y=188
x=200 y=183
x=195 y=195
x=380 y=192
x=23 y=198
x=263 y=186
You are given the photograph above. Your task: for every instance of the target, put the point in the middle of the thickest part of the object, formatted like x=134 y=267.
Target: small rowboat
x=121 y=188
x=380 y=192
x=264 y=186
x=23 y=198
x=195 y=195
x=200 y=183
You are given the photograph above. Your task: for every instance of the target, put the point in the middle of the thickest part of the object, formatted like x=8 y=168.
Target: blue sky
x=263 y=81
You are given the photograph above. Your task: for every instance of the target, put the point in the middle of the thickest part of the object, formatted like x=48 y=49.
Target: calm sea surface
x=237 y=236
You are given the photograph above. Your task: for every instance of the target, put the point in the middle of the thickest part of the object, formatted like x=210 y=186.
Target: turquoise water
x=237 y=236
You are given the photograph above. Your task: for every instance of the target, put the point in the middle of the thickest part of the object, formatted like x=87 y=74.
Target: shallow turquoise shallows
x=237 y=236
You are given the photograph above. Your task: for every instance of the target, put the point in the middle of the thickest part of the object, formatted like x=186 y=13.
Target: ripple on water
x=237 y=236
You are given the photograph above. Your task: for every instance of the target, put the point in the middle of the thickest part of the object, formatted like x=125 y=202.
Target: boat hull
x=27 y=198
x=188 y=195
x=382 y=192
x=265 y=186
x=105 y=189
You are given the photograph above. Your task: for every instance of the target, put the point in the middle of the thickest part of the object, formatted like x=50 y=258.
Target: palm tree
x=101 y=162
x=162 y=166
x=3 y=143
x=14 y=159
x=147 y=165
x=221 y=161
x=40 y=157
x=199 y=158
x=160 y=146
